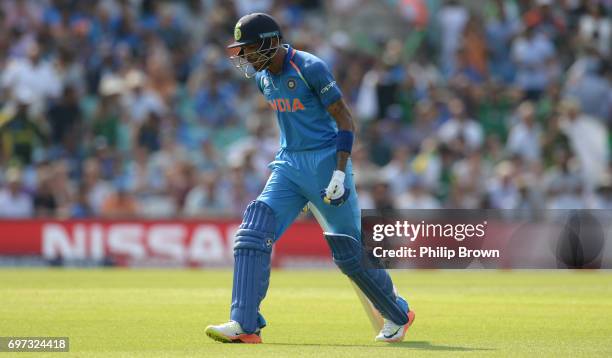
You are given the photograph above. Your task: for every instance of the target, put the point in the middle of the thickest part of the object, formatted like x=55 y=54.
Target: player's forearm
x=344 y=120
x=342 y=160
x=343 y=156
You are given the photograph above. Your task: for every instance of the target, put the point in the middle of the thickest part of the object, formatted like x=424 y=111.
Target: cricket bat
x=376 y=319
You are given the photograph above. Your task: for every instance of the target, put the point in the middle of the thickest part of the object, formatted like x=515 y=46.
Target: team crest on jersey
x=291 y=84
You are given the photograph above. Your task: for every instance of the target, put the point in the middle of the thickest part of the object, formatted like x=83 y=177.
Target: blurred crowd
x=121 y=108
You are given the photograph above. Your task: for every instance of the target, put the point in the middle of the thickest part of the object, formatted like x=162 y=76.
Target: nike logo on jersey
x=286 y=105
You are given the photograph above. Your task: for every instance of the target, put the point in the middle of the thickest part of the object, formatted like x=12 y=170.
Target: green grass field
x=149 y=313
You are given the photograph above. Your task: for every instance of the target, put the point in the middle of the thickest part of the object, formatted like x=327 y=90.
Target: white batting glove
x=336 y=193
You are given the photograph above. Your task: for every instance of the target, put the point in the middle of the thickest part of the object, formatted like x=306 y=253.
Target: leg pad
x=375 y=283
x=252 y=250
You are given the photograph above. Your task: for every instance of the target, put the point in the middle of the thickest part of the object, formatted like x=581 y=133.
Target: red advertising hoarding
x=141 y=242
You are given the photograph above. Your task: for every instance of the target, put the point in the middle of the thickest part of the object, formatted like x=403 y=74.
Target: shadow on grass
x=426 y=346
x=420 y=345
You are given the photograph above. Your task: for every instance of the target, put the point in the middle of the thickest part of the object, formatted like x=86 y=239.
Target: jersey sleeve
x=322 y=82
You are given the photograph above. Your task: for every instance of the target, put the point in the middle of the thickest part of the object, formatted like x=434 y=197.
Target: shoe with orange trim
x=231 y=332
x=392 y=332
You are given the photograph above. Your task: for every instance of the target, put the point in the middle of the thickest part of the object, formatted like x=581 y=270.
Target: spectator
x=533 y=54
x=45 y=203
x=592 y=154
x=107 y=116
x=119 y=205
x=62 y=186
x=592 y=89
x=380 y=148
x=140 y=176
x=244 y=7
x=81 y=209
x=214 y=107
x=565 y=198
x=141 y=93
x=424 y=73
x=425 y=124
x=525 y=135
x=20 y=133
x=140 y=101
x=474 y=54
x=206 y=200
x=417 y=197
x=15 y=203
x=461 y=132
x=237 y=188
x=65 y=119
x=563 y=175
x=469 y=181
x=160 y=69
x=397 y=172
x=465 y=70
x=70 y=71
x=26 y=14
x=452 y=19
x=381 y=197
x=545 y=20
x=32 y=74
x=366 y=171
x=97 y=189
x=500 y=30
x=492 y=104
x=603 y=198
x=595 y=28
x=503 y=192
x=149 y=133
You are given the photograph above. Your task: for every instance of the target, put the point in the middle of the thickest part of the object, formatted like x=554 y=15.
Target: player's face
x=253 y=58
x=252 y=54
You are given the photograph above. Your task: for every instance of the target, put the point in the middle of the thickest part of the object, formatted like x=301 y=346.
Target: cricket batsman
x=312 y=166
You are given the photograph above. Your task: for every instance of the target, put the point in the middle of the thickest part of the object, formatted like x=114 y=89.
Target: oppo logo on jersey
x=286 y=105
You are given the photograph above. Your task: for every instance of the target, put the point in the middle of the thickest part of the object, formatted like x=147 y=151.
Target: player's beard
x=262 y=66
x=264 y=60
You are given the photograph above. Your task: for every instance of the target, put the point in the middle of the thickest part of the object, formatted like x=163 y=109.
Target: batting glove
x=336 y=193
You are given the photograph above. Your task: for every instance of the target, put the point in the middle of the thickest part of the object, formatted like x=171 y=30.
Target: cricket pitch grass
x=159 y=313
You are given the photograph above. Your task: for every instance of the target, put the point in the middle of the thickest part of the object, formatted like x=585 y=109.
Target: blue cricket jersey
x=300 y=95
